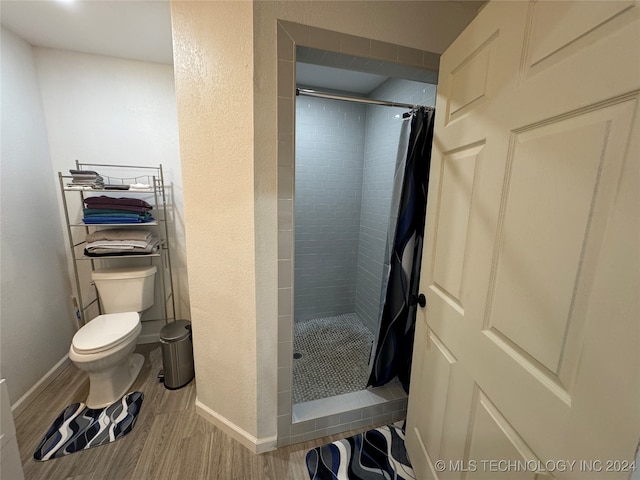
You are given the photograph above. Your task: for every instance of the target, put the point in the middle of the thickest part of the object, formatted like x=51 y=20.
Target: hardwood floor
x=169 y=440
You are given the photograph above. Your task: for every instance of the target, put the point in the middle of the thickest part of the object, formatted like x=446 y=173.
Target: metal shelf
x=153 y=176
x=141 y=224
x=118 y=257
x=104 y=190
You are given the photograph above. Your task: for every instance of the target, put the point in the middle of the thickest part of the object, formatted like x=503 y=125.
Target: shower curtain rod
x=333 y=96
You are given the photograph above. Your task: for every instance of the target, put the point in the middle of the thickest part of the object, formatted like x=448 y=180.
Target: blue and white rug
x=79 y=428
x=375 y=454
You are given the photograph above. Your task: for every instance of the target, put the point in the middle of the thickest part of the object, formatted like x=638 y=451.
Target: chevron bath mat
x=79 y=428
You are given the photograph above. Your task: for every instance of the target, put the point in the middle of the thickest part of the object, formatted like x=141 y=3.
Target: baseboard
x=24 y=401
x=146 y=339
x=254 y=444
x=150 y=331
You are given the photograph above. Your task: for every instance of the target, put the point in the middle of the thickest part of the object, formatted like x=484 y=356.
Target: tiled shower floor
x=335 y=357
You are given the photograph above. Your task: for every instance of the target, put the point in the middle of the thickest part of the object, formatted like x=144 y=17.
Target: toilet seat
x=105 y=331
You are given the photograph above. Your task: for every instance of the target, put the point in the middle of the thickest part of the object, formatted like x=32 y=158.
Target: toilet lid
x=105 y=331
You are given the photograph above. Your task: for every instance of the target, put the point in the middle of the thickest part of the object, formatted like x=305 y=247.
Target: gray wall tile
x=345 y=162
x=328 y=190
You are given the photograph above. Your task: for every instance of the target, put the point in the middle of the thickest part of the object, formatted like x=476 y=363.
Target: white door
x=527 y=356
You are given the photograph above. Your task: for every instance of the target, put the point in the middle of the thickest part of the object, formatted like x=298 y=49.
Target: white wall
x=36 y=318
x=113 y=111
x=213 y=62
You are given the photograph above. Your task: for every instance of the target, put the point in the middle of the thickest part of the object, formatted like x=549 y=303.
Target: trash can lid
x=176 y=330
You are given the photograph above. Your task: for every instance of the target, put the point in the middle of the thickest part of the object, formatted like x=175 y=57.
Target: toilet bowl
x=103 y=348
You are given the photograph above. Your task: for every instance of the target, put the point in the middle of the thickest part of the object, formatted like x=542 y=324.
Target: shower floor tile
x=335 y=357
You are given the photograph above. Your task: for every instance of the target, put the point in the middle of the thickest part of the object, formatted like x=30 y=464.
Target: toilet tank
x=125 y=289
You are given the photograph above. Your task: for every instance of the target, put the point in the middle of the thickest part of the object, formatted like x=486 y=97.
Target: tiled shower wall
x=328 y=189
x=383 y=131
x=345 y=163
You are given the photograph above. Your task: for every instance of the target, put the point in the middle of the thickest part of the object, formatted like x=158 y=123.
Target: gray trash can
x=177 y=353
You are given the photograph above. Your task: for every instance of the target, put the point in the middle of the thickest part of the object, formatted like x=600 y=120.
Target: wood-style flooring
x=169 y=440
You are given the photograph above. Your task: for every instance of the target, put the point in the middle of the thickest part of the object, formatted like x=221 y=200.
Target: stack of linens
x=121 y=241
x=86 y=179
x=105 y=209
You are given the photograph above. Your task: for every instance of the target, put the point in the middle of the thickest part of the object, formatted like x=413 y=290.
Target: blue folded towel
x=103 y=219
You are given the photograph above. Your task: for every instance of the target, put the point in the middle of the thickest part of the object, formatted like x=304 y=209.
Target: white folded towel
x=120 y=234
x=140 y=186
x=119 y=244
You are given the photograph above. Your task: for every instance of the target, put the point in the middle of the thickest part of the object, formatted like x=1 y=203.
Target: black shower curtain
x=394 y=346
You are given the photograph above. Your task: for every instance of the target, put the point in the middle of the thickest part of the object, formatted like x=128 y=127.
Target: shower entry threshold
x=341 y=413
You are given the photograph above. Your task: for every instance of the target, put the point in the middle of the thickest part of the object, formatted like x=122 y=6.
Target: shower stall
x=345 y=160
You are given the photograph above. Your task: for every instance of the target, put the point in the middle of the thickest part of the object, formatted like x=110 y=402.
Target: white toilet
x=104 y=346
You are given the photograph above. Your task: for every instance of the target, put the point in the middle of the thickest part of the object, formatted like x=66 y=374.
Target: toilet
x=104 y=346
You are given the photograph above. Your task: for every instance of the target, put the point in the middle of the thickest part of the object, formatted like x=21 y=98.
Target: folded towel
x=97 y=202
x=83 y=172
x=152 y=246
x=119 y=213
x=120 y=234
x=111 y=212
x=109 y=220
x=86 y=177
x=117 y=206
x=114 y=211
x=112 y=253
x=118 y=244
x=140 y=186
x=96 y=185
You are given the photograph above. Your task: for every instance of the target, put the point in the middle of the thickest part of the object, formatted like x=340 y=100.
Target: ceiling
x=346 y=73
x=136 y=30
x=141 y=30
x=330 y=78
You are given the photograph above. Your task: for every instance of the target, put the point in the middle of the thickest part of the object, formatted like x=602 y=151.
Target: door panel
x=553 y=188
x=493 y=444
x=469 y=81
x=438 y=378
x=456 y=188
x=528 y=348
x=557 y=30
